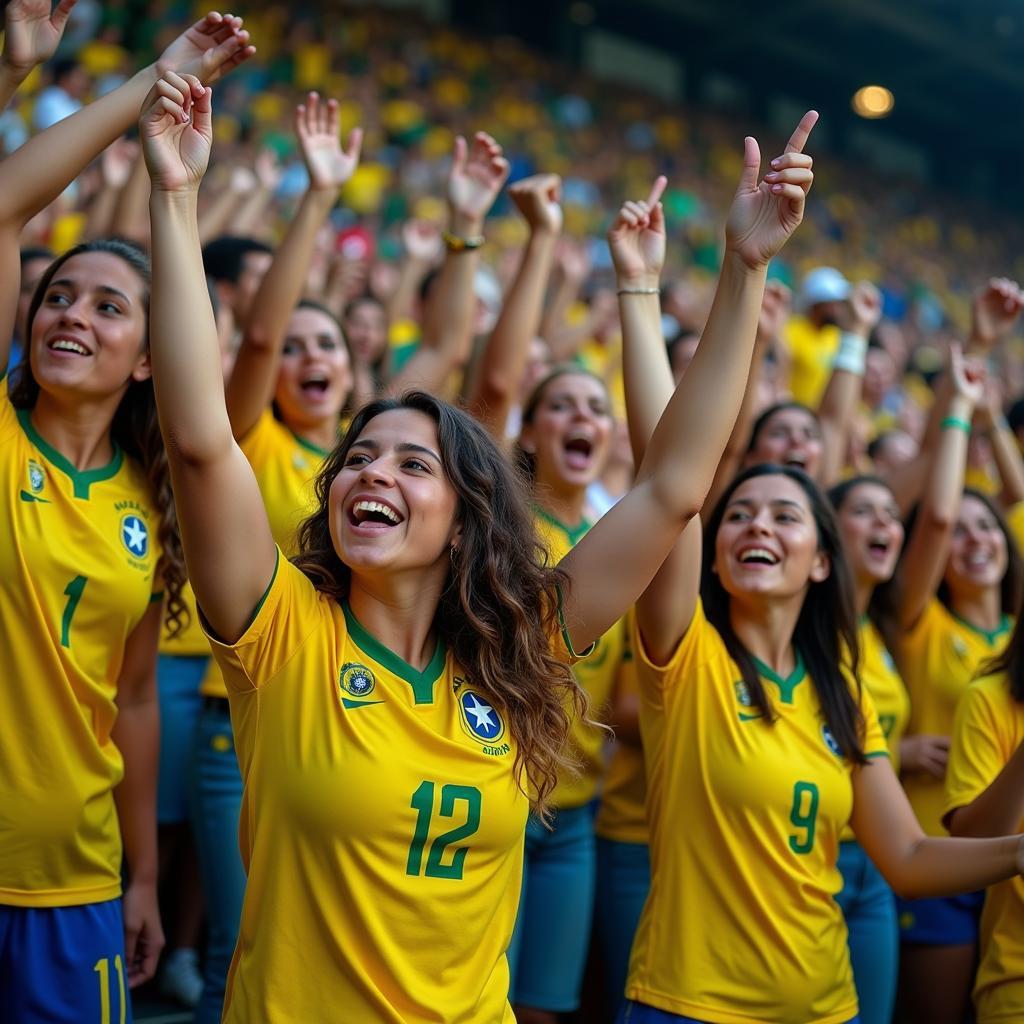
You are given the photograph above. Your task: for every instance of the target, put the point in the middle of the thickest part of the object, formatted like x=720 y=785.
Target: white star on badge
x=135 y=535
x=481 y=712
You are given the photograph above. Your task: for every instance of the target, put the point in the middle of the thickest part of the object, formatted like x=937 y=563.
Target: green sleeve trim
x=266 y=593
x=878 y=753
x=566 y=639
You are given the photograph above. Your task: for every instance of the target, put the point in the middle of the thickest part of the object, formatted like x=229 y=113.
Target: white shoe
x=180 y=978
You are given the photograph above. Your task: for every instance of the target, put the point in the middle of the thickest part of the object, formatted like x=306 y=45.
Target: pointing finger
x=798 y=139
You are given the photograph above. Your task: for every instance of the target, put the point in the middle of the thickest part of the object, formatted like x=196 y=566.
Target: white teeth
x=376 y=506
x=67 y=345
x=758 y=555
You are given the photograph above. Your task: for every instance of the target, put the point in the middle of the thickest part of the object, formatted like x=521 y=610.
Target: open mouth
x=374 y=514
x=797 y=460
x=578 y=451
x=980 y=560
x=878 y=546
x=758 y=556
x=68 y=345
x=314 y=385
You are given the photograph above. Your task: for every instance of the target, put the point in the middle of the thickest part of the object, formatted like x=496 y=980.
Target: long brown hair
x=134 y=428
x=498 y=612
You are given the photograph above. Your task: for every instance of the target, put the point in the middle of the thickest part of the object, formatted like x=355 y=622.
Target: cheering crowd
x=406 y=597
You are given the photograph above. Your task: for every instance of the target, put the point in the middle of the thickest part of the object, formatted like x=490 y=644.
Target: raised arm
x=251 y=385
x=1005 y=450
x=613 y=564
x=924 y=559
x=224 y=530
x=839 y=403
x=36 y=173
x=504 y=358
x=477 y=176
x=421 y=240
x=32 y=32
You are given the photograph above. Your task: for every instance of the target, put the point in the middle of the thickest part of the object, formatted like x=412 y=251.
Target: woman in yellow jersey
x=753 y=734
x=872 y=535
x=386 y=779
x=89 y=543
x=564 y=442
x=960 y=580
x=984 y=797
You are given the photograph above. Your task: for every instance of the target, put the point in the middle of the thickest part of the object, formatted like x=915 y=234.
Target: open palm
x=209 y=49
x=765 y=213
x=477 y=176
x=176 y=132
x=317 y=125
x=32 y=31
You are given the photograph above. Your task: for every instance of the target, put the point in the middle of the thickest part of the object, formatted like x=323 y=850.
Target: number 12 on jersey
x=456 y=803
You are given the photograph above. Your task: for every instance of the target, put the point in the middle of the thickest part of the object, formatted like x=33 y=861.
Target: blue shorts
x=549 y=945
x=941 y=921
x=177 y=683
x=638 y=1013
x=63 y=965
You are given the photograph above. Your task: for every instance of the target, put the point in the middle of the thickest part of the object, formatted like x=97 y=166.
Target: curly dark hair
x=135 y=427
x=826 y=633
x=500 y=607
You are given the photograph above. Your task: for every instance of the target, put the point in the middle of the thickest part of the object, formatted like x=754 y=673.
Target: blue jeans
x=638 y=1013
x=549 y=945
x=216 y=791
x=623 y=878
x=869 y=906
x=177 y=683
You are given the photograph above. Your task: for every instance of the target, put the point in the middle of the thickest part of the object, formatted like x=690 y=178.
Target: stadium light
x=872 y=102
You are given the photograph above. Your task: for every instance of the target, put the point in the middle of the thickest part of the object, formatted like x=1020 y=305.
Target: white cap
x=823 y=284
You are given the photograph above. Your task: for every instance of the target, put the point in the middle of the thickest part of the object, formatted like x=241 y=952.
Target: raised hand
x=117 y=162
x=317 y=125
x=573 y=260
x=176 y=131
x=209 y=49
x=775 y=307
x=477 y=176
x=537 y=198
x=32 y=32
x=422 y=240
x=994 y=312
x=637 y=239
x=269 y=171
x=865 y=304
x=968 y=376
x=765 y=213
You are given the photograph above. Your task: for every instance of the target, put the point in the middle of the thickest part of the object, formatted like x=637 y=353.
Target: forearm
x=942 y=493
x=217 y=214
x=100 y=215
x=948 y=867
x=137 y=736
x=10 y=82
x=554 y=317
x=691 y=435
x=1008 y=460
x=999 y=810
x=36 y=173
x=251 y=218
x=646 y=370
x=184 y=351
x=131 y=216
x=504 y=358
x=410 y=276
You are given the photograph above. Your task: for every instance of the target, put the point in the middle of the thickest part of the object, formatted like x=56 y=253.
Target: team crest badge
x=830 y=741
x=36 y=476
x=135 y=535
x=959 y=646
x=479 y=718
x=743 y=693
x=356 y=679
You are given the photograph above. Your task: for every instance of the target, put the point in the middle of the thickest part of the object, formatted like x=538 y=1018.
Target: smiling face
x=315 y=376
x=570 y=431
x=869 y=520
x=391 y=506
x=88 y=334
x=790 y=437
x=767 y=544
x=978 y=556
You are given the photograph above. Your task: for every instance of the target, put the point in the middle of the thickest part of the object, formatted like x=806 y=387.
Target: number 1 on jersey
x=423 y=804
x=74 y=592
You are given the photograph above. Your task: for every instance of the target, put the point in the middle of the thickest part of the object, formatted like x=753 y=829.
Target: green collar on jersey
x=81 y=479
x=309 y=446
x=575 y=534
x=990 y=635
x=422 y=683
x=789 y=684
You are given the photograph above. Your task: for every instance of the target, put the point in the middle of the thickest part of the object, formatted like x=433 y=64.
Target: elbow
x=193 y=450
x=938 y=518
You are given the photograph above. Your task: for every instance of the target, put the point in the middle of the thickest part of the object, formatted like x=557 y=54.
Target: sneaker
x=180 y=978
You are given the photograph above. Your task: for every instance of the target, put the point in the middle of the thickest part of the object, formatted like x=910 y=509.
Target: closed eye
x=415 y=464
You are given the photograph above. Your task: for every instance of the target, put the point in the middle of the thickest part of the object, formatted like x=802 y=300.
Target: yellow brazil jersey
x=938 y=658
x=812 y=352
x=285 y=466
x=381 y=826
x=882 y=681
x=622 y=816
x=77 y=566
x=596 y=675
x=741 y=924
x=988 y=729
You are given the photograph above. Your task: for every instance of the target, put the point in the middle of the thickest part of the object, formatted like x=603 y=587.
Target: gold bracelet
x=457 y=244
x=638 y=291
